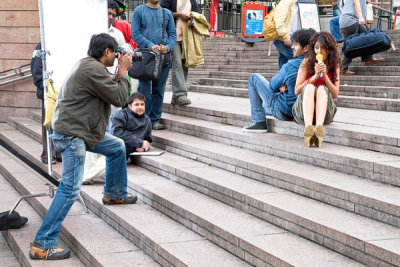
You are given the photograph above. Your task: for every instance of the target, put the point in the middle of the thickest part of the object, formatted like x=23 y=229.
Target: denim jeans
x=179 y=73
x=262 y=99
x=73 y=151
x=285 y=52
x=334 y=28
x=355 y=28
x=154 y=93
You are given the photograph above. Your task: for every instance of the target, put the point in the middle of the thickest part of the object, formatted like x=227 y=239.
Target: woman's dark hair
x=328 y=43
x=134 y=96
x=303 y=36
x=99 y=43
x=113 y=5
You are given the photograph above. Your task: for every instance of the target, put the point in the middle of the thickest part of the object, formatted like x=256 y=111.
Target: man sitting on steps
x=132 y=125
x=277 y=97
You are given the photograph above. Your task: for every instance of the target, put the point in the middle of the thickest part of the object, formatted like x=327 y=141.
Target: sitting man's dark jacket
x=132 y=128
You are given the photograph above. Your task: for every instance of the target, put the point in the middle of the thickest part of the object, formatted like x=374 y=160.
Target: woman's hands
x=320 y=68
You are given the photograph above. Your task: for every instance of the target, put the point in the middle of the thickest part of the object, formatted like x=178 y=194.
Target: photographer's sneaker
x=37 y=253
x=129 y=199
x=257 y=127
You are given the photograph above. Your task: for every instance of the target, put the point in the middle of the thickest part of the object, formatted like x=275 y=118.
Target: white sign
x=68 y=27
x=309 y=16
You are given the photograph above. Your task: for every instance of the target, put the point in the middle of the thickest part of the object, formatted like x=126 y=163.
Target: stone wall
x=20 y=32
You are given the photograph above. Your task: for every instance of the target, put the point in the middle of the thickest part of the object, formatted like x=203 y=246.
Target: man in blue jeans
x=277 y=97
x=147 y=32
x=79 y=122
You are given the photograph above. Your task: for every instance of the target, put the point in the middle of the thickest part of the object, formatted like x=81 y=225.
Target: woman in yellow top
x=317 y=85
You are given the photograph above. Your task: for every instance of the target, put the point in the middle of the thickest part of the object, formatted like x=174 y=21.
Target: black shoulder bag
x=149 y=68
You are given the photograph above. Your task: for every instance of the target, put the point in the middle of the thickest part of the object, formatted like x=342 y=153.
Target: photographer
x=79 y=122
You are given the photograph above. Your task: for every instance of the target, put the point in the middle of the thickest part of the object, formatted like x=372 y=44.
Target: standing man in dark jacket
x=79 y=122
x=37 y=74
x=147 y=32
x=132 y=125
x=180 y=11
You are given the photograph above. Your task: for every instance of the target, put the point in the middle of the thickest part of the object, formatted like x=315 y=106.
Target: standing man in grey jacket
x=79 y=122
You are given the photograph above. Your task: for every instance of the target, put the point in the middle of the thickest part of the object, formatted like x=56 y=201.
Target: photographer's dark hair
x=99 y=43
x=113 y=5
x=134 y=96
x=303 y=36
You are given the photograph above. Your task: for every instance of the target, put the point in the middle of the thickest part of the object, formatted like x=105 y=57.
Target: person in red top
x=317 y=85
x=125 y=28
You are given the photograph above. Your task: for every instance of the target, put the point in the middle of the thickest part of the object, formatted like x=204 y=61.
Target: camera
x=136 y=56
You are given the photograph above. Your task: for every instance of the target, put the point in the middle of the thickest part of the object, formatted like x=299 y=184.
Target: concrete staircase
x=222 y=197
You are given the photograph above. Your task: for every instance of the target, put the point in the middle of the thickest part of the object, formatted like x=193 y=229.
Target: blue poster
x=254 y=21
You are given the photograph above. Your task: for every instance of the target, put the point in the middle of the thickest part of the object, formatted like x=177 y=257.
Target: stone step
x=351 y=127
x=260 y=242
x=364 y=80
x=239 y=88
x=314 y=177
x=166 y=241
x=85 y=234
x=7 y=257
x=326 y=225
x=369 y=103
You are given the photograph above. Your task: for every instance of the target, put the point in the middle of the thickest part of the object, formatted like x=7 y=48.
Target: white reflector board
x=68 y=27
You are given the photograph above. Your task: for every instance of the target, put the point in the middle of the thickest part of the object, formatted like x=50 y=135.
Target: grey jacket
x=83 y=105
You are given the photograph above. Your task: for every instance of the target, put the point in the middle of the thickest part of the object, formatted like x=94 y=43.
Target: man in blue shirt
x=147 y=25
x=277 y=97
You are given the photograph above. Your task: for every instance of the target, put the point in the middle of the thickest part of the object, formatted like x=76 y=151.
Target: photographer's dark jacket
x=83 y=105
x=132 y=128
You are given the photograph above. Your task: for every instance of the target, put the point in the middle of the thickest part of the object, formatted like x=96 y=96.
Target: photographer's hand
x=125 y=64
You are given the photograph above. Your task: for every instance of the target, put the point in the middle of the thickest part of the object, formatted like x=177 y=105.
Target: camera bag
x=368 y=43
x=149 y=68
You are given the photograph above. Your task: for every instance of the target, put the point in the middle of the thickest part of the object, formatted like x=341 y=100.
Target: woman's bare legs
x=321 y=107
x=308 y=113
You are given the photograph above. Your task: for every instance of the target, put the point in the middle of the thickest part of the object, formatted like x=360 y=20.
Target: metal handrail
x=16 y=79
x=17 y=71
x=15 y=68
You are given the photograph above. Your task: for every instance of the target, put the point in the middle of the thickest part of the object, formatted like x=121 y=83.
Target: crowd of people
x=103 y=111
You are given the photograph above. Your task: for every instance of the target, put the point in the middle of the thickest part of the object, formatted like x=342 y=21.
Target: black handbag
x=149 y=68
x=367 y=43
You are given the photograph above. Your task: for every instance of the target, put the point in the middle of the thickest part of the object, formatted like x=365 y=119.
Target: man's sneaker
x=129 y=199
x=257 y=127
x=181 y=101
x=158 y=126
x=37 y=253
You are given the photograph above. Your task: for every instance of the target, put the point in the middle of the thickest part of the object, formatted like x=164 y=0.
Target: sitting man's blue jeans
x=263 y=99
x=334 y=28
x=73 y=152
x=285 y=53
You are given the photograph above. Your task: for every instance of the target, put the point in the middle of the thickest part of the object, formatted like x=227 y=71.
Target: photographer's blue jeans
x=154 y=93
x=262 y=99
x=285 y=52
x=73 y=152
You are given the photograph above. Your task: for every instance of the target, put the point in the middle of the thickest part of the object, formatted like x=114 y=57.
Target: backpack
x=269 y=28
